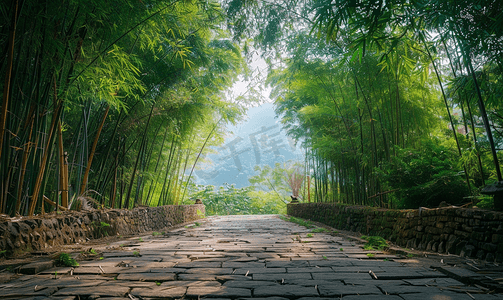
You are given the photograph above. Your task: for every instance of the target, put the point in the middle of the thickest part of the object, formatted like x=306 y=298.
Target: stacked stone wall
x=472 y=233
x=41 y=232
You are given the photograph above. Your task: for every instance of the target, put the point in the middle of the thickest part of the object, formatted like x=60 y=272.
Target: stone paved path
x=242 y=257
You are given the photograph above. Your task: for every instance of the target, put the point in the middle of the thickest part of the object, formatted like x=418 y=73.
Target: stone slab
x=71 y=282
x=213 y=292
x=119 y=254
x=160 y=277
x=159 y=292
x=331 y=263
x=216 y=271
x=130 y=284
x=342 y=290
x=438 y=295
x=310 y=270
x=194 y=277
x=251 y=271
x=242 y=265
x=179 y=283
x=35 y=267
x=312 y=282
x=97 y=270
x=282 y=276
x=168 y=270
x=392 y=289
x=287 y=264
x=434 y=282
x=199 y=264
x=15 y=292
x=285 y=291
x=354 y=269
x=249 y=284
x=224 y=278
x=268 y=298
x=342 y=276
x=401 y=274
x=373 y=297
x=155 y=264
x=101 y=291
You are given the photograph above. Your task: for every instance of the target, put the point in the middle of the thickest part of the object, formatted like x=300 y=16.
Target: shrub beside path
x=242 y=257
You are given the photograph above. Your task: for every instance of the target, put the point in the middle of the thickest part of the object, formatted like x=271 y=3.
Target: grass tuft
x=375 y=243
x=299 y=221
x=65 y=260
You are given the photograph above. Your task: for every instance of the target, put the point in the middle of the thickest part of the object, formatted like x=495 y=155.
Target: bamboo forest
x=115 y=104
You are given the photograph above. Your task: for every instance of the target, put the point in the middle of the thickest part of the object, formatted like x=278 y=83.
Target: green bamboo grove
x=399 y=103
x=110 y=103
x=105 y=103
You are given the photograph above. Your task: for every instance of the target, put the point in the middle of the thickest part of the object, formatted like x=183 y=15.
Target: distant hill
x=259 y=140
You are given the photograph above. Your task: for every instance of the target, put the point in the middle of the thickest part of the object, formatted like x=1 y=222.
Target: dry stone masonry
x=474 y=233
x=40 y=232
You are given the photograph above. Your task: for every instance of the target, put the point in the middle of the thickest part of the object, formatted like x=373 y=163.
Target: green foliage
x=375 y=243
x=283 y=180
x=65 y=260
x=90 y=252
x=306 y=223
x=424 y=177
x=319 y=229
x=158 y=69
x=353 y=91
x=368 y=80
x=155 y=233
x=486 y=202
x=343 y=109
x=229 y=200
x=100 y=229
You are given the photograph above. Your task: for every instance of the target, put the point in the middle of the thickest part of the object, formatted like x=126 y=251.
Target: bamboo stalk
x=38 y=181
x=448 y=110
x=138 y=156
x=63 y=168
x=53 y=203
x=103 y=182
x=93 y=149
x=114 y=189
x=8 y=76
x=153 y=183
x=27 y=148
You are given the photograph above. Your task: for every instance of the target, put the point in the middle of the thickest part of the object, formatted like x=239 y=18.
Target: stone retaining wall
x=40 y=232
x=473 y=233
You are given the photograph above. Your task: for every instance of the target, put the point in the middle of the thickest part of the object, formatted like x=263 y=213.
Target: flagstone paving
x=245 y=257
